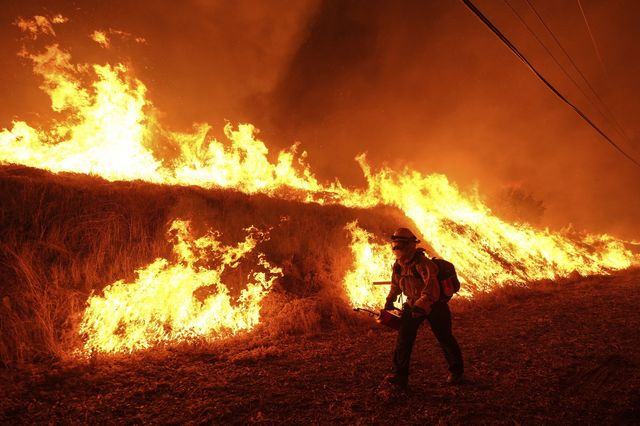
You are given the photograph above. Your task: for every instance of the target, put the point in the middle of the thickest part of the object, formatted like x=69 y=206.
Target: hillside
x=555 y=351
x=550 y=354
x=65 y=237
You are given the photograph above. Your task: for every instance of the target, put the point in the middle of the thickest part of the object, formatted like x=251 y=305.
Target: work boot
x=454 y=378
x=397 y=380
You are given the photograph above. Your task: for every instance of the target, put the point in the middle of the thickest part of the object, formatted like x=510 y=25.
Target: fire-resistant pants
x=440 y=320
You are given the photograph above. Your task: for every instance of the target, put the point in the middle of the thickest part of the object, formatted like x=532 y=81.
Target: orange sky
x=414 y=83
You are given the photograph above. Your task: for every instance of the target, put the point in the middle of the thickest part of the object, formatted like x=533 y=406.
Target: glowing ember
x=101 y=38
x=162 y=304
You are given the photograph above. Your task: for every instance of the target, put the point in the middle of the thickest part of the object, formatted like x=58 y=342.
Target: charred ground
x=554 y=354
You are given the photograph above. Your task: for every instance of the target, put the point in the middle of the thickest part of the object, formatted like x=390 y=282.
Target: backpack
x=447 y=277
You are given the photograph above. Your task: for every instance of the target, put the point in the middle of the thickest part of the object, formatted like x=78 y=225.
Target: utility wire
x=566 y=73
x=593 y=40
x=515 y=50
x=610 y=114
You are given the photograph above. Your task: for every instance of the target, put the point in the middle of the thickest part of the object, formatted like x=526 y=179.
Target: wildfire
x=162 y=304
x=109 y=128
x=486 y=250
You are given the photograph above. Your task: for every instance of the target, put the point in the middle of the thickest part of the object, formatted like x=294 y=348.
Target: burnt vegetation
x=551 y=352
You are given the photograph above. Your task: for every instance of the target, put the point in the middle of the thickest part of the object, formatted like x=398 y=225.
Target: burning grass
x=66 y=237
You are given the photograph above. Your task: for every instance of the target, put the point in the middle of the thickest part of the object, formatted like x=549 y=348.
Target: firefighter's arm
x=394 y=291
x=431 y=291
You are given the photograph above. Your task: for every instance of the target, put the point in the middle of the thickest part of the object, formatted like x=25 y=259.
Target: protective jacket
x=417 y=278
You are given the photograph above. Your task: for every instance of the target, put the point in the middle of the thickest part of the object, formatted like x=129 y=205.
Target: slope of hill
x=64 y=237
x=543 y=355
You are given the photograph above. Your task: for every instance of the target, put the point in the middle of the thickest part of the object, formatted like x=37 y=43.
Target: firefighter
x=416 y=276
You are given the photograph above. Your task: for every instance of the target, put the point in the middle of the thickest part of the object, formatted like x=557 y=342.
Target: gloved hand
x=389 y=306
x=417 y=312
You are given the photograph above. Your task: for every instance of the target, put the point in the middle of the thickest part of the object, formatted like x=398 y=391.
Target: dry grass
x=63 y=237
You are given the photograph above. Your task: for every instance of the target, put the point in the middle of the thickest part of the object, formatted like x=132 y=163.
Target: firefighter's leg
x=404 y=344
x=440 y=321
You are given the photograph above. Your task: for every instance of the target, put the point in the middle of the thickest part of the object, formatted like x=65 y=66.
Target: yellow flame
x=243 y=164
x=109 y=128
x=162 y=304
x=372 y=263
x=486 y=250
x=103 y=133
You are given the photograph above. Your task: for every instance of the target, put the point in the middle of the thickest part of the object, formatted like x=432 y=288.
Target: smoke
x=426 y=85
x=201 y=60
x=412 y=83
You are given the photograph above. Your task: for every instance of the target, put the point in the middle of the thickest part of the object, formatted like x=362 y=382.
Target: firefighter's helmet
x=404 y=234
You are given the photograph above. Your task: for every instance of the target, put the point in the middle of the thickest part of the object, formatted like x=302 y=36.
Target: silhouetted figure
x=416 y=276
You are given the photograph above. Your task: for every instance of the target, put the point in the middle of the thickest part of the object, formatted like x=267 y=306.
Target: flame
x=106 y=126
x=486 y=250
x=243 y=164
x=372 y=262
x=161 y=305
x=103 y=133
x=110 y=129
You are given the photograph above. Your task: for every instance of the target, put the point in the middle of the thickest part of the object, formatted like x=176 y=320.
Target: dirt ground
x=555 y=354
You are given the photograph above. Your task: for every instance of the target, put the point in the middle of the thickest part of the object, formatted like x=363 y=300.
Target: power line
x=515 y=50
x=566 y=73
x=593 y=40
x=610 y=114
